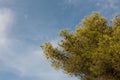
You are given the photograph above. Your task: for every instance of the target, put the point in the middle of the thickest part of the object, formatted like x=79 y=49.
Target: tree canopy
x=91 y=52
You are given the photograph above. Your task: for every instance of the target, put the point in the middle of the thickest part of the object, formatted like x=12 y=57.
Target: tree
x=91 y=52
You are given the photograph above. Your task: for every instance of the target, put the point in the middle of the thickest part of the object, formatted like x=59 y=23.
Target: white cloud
x=32 y=63
x=108 y=7
x=108 y=4
x=72 y=2
x=27 y=59
x=105 y=7
x=6 y=19
x=21 y=58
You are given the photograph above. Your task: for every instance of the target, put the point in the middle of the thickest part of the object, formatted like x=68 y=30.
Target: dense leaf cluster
x=91 y=52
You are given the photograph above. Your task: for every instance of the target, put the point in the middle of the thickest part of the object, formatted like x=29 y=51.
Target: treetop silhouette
x=91 y=52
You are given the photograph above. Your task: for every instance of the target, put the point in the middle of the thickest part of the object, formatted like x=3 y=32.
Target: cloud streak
x=21 y=58
x=108 y=7
x=26 y=59
x=105 y=7
x=6 y=20
x=72 y=2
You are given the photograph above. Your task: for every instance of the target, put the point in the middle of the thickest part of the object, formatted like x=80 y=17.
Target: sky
x=26 y=24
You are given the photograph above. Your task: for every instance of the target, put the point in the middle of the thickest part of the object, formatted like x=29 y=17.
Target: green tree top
x=91 y=52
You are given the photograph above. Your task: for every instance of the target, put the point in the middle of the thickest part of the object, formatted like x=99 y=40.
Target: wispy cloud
x=30 y=62
x=72 y=2
x=108 y=4
x=108 y=7
x=27 y=59
x=6 y=19
x=20 y=57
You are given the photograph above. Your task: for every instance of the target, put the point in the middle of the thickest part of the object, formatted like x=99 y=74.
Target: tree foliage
x=91 y=52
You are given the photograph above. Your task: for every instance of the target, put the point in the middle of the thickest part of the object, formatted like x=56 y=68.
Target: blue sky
x=25 y=24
